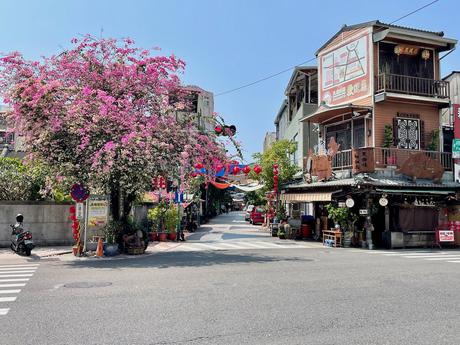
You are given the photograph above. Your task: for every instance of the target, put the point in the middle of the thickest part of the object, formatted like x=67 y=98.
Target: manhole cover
x=86 y=285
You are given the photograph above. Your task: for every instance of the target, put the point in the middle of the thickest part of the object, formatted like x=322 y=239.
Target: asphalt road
x=263 y=295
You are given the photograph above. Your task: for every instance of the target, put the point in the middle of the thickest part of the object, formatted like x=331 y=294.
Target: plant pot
x=391 y=160
x=110 y=249
x=162 y=236
x=282 y=236
x=172 y=236
x=153 y=236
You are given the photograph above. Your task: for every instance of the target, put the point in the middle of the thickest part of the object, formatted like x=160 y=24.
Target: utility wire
x=312 y=59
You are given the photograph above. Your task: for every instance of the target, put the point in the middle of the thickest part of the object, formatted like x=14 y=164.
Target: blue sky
x=224 y=43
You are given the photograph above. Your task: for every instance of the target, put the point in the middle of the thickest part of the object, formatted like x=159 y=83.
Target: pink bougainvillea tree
x=105 y=113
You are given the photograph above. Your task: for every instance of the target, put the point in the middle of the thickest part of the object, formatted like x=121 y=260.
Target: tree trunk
x=128 y=200
x=115 y=203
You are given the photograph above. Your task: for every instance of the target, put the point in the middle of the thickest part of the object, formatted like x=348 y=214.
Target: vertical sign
x=456 y=111
x=79 y=210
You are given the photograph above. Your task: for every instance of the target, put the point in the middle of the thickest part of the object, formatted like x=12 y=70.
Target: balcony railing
x=412 y=85
x=382 y=158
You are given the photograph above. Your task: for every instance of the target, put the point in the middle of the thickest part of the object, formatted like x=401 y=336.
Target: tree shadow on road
x=185 y=259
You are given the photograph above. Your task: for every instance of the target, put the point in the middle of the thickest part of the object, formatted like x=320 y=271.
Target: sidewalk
x=41 y=252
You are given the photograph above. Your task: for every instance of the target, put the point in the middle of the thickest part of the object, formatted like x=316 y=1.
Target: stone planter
x=110 y=249
x=172 y=236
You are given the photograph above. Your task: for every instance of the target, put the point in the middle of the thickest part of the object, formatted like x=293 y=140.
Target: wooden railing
x=385 y=157
x=342 y=160
x=382 y=158
x=412 y=85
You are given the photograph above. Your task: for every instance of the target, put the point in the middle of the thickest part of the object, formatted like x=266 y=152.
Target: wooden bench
x=333 y=235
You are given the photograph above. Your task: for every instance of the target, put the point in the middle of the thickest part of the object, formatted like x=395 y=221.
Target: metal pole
x=178 y=226
x=86 y=225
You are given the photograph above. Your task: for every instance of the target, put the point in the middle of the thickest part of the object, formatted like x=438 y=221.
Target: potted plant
x=153 y=217
x=111 y=231
x=388 y=143
x=341 y=217
x=281 y=232
x=171 y=222
x=434 y=140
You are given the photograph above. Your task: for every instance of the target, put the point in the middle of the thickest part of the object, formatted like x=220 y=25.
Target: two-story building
x=380 y=94
x=301 y=100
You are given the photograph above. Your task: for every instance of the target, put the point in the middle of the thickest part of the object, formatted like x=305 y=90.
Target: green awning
x=415 y=191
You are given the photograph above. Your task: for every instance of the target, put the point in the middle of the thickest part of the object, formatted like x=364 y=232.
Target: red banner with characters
x=456 y=110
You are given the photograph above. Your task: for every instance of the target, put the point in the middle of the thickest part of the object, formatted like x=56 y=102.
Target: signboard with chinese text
x=456 y=148
x=345 y=70
x=97 y=214
x=79 y=210
x=456 y=112
x=446 y=236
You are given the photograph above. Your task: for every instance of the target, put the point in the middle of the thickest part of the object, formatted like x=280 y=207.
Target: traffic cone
x=100 y=249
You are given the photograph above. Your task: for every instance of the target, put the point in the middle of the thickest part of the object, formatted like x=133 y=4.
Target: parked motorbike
x=21 y=240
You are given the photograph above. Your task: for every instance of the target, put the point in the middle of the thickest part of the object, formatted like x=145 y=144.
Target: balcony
x=383 y=158
x=412 y=86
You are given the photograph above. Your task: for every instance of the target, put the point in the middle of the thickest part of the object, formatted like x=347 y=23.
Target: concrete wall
x=48 y=221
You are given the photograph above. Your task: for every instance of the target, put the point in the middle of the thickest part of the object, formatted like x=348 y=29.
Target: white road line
x=14 y=280
x=445 y=258
x=7 y=299
x=10 y=291
x=18 y=269
x=254 y=245
x=415 y=254
x=11 y=285
x=432 y=256
x=200 y=247
x=16 y=272
x=455 y=261
x=268 y=244
x=25 y=265
x=209 y=246
x=4 y=311
x=230 y=245
x=15 y=275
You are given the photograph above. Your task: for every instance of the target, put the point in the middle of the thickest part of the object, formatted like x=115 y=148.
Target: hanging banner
x=456 y=111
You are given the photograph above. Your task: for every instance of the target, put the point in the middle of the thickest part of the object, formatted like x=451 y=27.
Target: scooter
x=21 y=241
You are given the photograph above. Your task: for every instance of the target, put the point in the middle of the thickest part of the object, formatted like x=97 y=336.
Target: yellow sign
x=402 y=49
x=97 y=213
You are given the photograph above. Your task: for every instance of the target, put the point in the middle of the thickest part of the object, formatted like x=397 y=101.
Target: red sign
x=446 y=236
x=344 y=70
x=456 y=109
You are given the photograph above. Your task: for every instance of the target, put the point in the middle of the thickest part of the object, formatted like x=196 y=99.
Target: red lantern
x=72 y=209
x=73 y=217
x=275 y=166
x=219 y=167
x=246 y=169
x=218 y=129
x=194 y=174
x=236 y=169
x=275 y=178
x=257 y=169
x=75 y=225
x=199 y=166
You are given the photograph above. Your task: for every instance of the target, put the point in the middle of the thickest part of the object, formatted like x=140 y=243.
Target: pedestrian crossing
x=451 y=256
x=13 y=278
x=231 y=245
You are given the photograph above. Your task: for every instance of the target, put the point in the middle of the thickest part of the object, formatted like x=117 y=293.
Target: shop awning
x=415 y=191
x=306 y=197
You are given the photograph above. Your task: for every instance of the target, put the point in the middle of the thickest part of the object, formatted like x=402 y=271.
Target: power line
x=312 y=59
x=414 y=11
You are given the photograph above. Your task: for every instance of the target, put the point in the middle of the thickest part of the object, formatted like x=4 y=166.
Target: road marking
x=14 y=280
x=4 y=311
x=455 y=261
x=18 y=269
x=10 y=291
x=207 y=246
x=415 y=254
x=230 y=245
x=25 y=265
x=444 y=258
x=7 y=299
x=15 y=275
x=269 y=244
x=11 y=285
x=253 y=245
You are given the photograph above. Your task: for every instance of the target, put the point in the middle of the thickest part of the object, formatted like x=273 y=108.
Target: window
x=408 y=133
x=341 y=133
x=294 y=156
x=359 y=138
x=414 y=66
